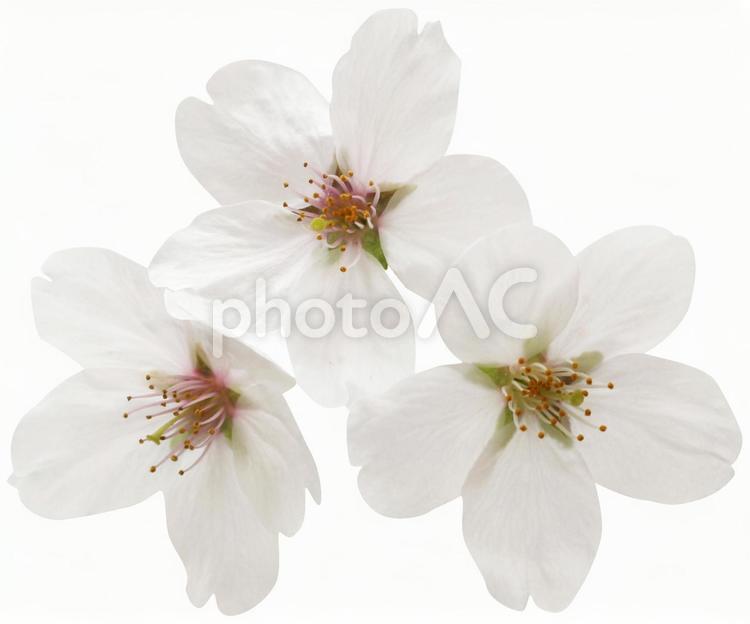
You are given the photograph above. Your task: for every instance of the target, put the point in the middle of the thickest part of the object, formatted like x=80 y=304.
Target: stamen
x=345 y=207
x=197 y=461
x=200 y=405
x=551 y=395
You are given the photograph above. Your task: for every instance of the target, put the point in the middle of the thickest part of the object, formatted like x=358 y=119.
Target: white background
x=610 y=113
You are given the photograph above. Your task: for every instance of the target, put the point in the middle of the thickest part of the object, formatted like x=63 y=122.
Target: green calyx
x=226 y=429
x=500 y=376
x=201 y=363
x=371 y=244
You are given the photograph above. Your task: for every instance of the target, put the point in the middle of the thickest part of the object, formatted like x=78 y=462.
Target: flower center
x=195 y=407
x=545 y=395
x=341 y=210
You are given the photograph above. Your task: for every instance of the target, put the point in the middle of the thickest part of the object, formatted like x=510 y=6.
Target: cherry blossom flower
x=153 y=410
x=524 y=427
x=319 y=200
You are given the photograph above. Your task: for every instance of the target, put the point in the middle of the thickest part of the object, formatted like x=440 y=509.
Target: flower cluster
x=324 y=201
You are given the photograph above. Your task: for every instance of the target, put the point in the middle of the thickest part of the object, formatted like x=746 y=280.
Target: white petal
x=337 y=367
x=635 y=287
x=531 y=519
x=101 y=309
x=74 y=454
x=273 y=464
x=671 y=436
x=523 y=287
x=224 y=251
x=394 y=98
x=444 y=210
x=266 y=121
x=417 y=442
x=275 y=404
x=221 y=541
